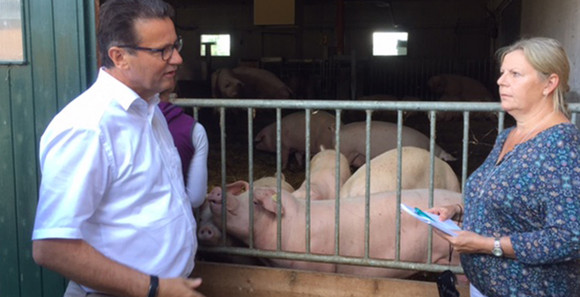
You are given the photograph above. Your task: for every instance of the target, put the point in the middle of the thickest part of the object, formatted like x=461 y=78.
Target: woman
x=190 y=139
x=522 y=205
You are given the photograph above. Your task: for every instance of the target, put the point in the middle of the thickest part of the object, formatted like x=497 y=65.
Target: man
x=113 y=215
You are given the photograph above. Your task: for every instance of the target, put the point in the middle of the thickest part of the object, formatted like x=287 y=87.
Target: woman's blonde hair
x=547 y=56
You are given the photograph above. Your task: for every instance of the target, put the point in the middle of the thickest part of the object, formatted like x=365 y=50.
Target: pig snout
x=214 y=198
x=215 y=195
x=208 y=234
x=233 y=89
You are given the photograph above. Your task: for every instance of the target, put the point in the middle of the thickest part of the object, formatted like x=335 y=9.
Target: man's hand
x=179 y=287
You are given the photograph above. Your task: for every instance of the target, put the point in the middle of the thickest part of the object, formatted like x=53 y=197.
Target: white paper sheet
x=447 y=226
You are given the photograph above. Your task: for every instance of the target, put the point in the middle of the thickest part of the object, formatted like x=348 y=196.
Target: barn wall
x=60 y=61
x=437 y=29
x=541 y=18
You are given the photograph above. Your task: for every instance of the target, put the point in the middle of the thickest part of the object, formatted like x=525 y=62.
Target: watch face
x=497 y=251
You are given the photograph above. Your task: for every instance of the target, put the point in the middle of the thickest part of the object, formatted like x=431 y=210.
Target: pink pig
x=248 y=82
x=293 y=135
x=414 y=234
x=383 y=138
x=415 y=173
x=323 y=175
x=207 y=232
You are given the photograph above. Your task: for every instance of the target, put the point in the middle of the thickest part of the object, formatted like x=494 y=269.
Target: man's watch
x=497 y=251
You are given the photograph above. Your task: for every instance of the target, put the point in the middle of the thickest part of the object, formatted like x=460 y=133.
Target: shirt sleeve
x=558 y=239
x=197 y=172
x=75 y=173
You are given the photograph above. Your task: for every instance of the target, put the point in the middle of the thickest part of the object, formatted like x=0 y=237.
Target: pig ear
x=259 y=137
x=268 y=199
x=238 y=187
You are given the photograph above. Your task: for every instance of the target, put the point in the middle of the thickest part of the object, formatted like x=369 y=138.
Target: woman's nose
x=500 y=80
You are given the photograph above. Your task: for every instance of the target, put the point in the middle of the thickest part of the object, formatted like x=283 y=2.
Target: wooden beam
x=245 y=281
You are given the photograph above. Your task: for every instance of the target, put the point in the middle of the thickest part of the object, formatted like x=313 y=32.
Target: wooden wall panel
x=25 y=176
x=60 y=62
x=8 y=246
x=222 y=280
x=68 y=52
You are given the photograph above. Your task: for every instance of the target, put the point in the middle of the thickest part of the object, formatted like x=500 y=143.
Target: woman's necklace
x=511 y=141
x=546 y=118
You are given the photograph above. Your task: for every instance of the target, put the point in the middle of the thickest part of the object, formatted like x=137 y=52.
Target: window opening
x=11 y=35
x=220 y=44
x=390 y=43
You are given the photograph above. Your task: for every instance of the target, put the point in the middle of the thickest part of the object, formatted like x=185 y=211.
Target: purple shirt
x=181 y=128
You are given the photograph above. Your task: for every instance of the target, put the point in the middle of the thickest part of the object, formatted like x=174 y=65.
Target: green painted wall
x=60 y=63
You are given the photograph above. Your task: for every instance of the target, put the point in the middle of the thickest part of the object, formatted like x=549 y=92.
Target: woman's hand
x=468 y=242
x=453 y=211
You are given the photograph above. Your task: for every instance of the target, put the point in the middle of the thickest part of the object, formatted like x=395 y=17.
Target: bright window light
x=390 y=43
x=220 y=46
x=11 y=49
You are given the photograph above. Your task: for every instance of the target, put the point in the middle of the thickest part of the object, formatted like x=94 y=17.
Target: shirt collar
x=124 y=95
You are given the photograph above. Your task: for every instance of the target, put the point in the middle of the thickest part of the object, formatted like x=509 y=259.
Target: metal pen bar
x=399 y=183
x=308 y=173
x=334 y=259
x=338 y=200
x=349 y=105
x=368 y=182
x=251 y=174
x=465 y=149
x=432 y=125
x=224 y=173
x=278 y=170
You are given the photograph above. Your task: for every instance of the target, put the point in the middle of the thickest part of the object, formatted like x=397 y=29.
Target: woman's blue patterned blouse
x=532 y=196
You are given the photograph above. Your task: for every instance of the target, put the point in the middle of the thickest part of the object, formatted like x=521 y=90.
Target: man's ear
x=268 y=199
x=118 y=56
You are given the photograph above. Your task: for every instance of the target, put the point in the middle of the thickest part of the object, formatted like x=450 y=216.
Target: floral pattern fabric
x=532 y=196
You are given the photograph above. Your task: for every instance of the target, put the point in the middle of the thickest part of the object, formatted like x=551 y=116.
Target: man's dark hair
x=116 y=22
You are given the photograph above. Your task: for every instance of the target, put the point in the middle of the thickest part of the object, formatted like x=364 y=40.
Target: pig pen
x=232 y=157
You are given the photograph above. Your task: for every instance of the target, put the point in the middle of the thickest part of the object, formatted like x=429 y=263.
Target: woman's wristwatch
x=497 y=251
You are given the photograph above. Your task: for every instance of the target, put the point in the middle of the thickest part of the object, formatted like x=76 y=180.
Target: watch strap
x=153 y=286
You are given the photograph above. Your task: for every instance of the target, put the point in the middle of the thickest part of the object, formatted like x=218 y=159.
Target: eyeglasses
x=166 y=52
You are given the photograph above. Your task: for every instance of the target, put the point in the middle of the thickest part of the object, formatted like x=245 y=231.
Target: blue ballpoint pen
x=421 y=213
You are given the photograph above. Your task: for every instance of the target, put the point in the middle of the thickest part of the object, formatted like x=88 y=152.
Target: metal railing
x=431 y=108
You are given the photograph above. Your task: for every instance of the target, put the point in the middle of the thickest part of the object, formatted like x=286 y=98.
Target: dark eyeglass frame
x=166 y=52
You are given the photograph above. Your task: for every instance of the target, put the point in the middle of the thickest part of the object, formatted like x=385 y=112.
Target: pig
x=453 y=87
x=208 y=233
x=414 y=234
x=248 y=82
x=415 y=173
x=383 y=138
x=323 y=175
x=293 y=135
